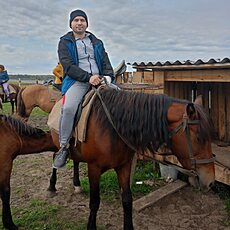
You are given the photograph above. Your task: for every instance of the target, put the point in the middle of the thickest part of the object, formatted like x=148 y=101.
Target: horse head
x=190 y=132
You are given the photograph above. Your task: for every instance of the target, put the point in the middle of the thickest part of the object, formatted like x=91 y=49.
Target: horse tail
x=17 y=90
x=21 y=109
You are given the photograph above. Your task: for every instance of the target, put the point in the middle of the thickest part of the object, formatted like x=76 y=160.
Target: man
x=84 y=60
x=4 y=78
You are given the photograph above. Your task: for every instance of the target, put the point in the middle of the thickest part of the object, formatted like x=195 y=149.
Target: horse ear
x=191 y=111
x=199 y=100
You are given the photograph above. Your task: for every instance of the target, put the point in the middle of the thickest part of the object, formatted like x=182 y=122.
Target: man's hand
x=95 y=80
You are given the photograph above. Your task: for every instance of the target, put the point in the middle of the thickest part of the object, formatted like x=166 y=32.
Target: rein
x=111 y=120
x=184 y=125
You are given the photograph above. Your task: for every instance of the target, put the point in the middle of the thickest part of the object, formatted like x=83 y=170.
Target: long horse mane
x=20 y=127
x=140 y=118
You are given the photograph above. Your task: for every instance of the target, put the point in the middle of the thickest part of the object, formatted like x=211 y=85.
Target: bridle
x=184 y=125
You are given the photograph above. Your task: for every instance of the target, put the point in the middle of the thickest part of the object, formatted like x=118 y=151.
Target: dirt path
x=185 y=209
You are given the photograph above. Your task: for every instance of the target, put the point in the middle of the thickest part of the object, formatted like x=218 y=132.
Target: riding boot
x=61 y=157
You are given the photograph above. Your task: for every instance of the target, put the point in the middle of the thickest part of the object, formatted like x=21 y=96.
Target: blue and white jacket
x=68 y=56
x=4 y=77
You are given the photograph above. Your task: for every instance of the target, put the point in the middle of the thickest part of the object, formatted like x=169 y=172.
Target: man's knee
x=69 y=110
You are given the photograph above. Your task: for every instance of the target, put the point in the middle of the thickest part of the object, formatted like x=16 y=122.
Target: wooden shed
x=186 y=80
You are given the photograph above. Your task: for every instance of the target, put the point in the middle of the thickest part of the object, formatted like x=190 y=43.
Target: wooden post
x=222 y=115
x=159 y=80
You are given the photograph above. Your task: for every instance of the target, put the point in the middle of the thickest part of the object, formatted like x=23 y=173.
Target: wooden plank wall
x=216 y=101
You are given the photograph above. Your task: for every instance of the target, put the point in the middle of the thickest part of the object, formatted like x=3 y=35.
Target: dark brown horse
x=17 y=138
x=12 y=97
x=137 y=122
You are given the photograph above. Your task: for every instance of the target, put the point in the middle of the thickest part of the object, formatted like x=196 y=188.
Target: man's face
x=79 y=25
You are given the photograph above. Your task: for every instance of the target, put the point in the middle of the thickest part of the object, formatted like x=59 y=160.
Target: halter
x=184 y=125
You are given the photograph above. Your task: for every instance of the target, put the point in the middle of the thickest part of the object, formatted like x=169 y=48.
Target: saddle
x=80 y=129
x=10 y=88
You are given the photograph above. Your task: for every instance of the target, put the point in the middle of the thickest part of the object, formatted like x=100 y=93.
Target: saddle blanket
x=80 y=129
x=11 y=89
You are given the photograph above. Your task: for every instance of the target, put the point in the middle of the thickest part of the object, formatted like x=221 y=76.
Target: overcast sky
x=133 y=30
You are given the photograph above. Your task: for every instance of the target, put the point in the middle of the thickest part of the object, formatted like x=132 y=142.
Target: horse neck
x=37 y=144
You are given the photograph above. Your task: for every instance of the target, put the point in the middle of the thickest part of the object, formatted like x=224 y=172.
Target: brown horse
x=122 y=123
x=12 y=96
x=37 y=95
x=17 y=138
x=43 y=97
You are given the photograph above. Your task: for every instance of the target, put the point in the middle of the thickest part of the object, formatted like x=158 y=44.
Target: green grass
x=109 y=188
x=40 y=215
x=37 y=112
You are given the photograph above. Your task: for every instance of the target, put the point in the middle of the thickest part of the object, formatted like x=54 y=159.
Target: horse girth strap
x=111 y=120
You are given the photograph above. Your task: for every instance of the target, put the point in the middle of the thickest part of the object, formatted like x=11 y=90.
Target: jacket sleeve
x=4 y=77
x=107 y=67
x=69 y=64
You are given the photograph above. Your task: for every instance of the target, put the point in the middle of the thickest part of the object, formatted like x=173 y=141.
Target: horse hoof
x=11 y=227
x=77 y=189
x=51 y=194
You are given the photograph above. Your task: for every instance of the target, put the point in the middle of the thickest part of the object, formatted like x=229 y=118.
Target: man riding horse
x=4 y=78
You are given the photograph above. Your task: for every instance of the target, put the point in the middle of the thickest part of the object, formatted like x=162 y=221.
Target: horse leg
x=94 y=175
x=1 y=104
x=76 y=180
x=12 y=105
x=134 y=163
x=53 y=180
x=5 y=197
x=6 y=211
x=123 y=174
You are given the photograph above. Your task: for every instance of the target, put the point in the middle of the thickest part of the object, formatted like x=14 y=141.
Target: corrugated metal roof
x=199 y=63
